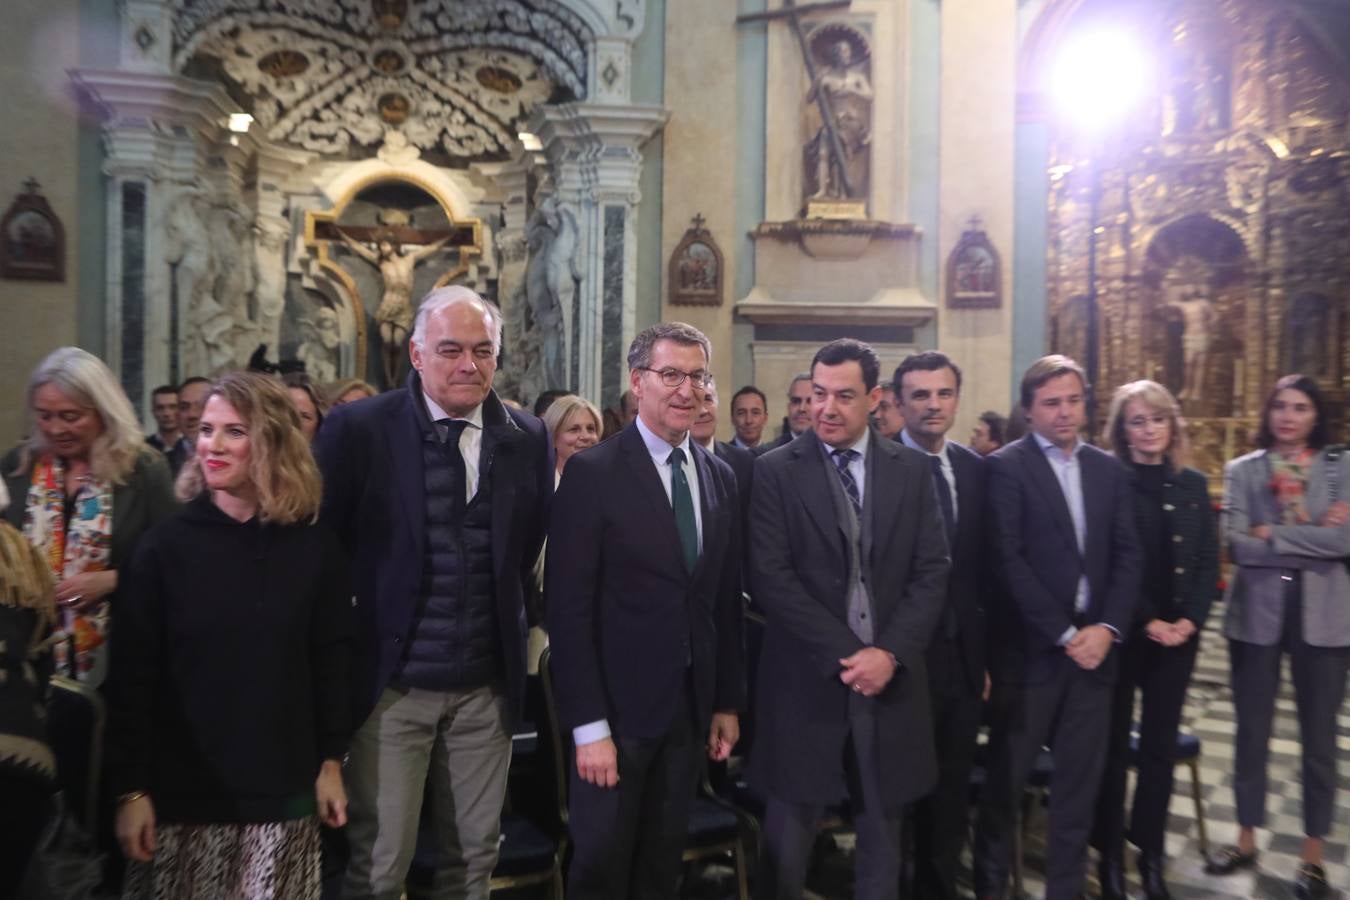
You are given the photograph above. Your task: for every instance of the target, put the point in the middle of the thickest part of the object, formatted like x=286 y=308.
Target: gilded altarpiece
x=1222 y=224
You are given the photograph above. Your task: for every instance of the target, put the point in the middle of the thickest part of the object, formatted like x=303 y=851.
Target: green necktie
x=683 y=501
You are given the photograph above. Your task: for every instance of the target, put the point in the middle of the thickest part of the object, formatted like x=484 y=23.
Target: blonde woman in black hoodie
x=228 y=701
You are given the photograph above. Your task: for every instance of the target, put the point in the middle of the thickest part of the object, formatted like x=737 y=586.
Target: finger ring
x=858 y=688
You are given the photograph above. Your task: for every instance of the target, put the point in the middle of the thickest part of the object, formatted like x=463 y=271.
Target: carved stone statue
x=551 y=278
x=271 y=234
x=394 y=317
x=318 y=349
x=205 y=329
x=838 y=170
x=1191 y=300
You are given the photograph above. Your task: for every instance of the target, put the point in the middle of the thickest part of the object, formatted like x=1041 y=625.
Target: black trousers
x=940 y=822
x=628 y=839
x=790 y=828
x=1161 y=675
x=1319 y=688
x=1071 y=713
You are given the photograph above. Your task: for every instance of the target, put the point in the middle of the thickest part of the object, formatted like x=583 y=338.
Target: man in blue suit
x=644 y=616
x=439 y=493
x=1065 y=547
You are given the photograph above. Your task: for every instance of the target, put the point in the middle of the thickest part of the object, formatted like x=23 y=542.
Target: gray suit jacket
x=1255 y=597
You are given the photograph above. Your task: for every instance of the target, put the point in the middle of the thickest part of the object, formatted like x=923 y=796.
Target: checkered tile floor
x=1209 y=715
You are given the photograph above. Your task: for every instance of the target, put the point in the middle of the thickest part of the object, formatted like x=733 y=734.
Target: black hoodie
x=230 y=658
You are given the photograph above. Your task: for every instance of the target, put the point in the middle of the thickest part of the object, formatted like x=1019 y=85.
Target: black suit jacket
x=742 y=464
x=970 y=582
x=628 y=624
x=1039 y=564
x=799 y=570
x=370 y=453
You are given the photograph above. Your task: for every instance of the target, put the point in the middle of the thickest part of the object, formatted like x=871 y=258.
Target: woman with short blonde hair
x=1179 y=538
x=229 y=702
x=85 y=487
x=573 y=424
x=349 y=390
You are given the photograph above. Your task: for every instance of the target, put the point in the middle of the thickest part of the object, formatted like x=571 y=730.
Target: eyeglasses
x=673 y=378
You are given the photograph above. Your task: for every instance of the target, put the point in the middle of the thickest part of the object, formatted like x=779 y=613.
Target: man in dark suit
x=644 y=619
x=927 y=393
x=1065 y=547
x=850 y=560
x=798 y=419
x=439 y=492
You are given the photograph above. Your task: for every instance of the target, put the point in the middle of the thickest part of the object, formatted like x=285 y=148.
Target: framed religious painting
x=32 y=241
x=696 y=268
x=974 y=279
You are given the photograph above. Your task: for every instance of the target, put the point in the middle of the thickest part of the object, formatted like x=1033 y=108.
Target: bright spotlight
x=1098 y=79
x=239 y=122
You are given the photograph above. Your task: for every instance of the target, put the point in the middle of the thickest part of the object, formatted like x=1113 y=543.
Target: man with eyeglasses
x=644 y=618
x=439 y=493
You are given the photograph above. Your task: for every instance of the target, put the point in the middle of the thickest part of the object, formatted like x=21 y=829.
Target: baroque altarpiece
x=1214 y=228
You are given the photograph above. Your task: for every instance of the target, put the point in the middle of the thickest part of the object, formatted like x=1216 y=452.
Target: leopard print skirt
x=269 y=861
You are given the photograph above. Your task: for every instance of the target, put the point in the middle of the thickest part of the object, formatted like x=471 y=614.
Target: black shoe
x=1228 y=860
x=1311 y=882
x=1151 y=873
x=1111 y=874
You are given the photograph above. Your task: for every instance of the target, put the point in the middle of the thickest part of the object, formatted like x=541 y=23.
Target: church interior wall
x=925 y=171
x=977 y=144
x=751 y=96
x=699 y=142
x=40 y=139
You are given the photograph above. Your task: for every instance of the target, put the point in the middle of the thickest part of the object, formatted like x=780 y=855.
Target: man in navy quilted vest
x=439 y=492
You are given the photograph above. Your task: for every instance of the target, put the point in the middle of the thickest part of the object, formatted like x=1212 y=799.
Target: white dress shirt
x=470 y=440
x=944 y=460
x=1070 y=477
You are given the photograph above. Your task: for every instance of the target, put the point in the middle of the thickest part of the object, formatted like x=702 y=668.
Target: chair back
x=75 y=720
x=551 y=740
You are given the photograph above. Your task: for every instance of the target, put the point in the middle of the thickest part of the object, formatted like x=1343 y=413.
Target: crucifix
x=793 y=14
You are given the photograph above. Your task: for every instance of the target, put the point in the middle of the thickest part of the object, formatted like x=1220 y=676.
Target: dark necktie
x=842 y=458
x=944 y=491
x=453 y=429
x=683 y=501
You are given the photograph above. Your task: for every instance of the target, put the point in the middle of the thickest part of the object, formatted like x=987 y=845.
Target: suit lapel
x=809 y=474
x=652 y=492
x=1096 y=505
x=1044 y=475
x=885 y=490
x=404 y=432
x=709 y=504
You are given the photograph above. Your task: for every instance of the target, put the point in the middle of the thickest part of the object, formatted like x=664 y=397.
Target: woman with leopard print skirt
x=229 y=693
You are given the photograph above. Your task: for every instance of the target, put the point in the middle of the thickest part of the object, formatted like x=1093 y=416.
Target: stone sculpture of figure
x=205 y=329
x=844 y=82
x=394 y=317
x=1198 y=318
x=551 y=278
x=318 y=349
x=271 y=235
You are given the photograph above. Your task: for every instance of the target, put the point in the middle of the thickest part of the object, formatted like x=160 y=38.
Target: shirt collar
x=659 y=447
x=475 y=418
x=1047 y=446
x=860 y=445
x=711 y=446
x=914 y=445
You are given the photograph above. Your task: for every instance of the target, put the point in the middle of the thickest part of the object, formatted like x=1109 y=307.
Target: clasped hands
x=1170 y=634
x=1089 y=646
x=598 y=761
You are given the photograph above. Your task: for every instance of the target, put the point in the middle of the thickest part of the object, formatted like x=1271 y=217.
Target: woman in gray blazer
x=1287 y=525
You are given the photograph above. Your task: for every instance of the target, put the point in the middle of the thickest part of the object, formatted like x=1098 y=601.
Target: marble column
x=594 y=153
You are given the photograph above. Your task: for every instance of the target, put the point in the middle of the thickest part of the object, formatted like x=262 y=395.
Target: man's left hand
x=1090 y=645
x=723 y=735
x=868 y=671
